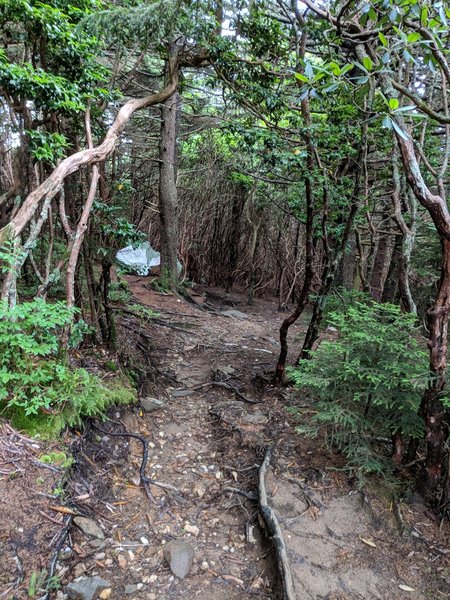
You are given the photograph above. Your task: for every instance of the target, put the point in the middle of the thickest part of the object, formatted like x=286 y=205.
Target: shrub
x=368 y=383
x=37 y=391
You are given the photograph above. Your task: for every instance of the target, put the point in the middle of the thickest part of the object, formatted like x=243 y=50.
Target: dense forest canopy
x=296 y=150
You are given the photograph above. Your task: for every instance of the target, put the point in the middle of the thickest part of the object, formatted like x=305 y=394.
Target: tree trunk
x=345 y=276
x=235 y=236
x=311 y=159
x=168 y=197
x=111 y=334
x=378 y=270
x=391 y=283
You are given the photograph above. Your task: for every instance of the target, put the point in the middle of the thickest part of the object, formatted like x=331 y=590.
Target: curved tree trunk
x=40 y=198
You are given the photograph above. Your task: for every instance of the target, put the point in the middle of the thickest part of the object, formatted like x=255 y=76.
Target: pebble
x=99 y=556
x=145 y=541
x=179 y=554
x=79 y=569
x=122 y=561
x=89 y=527
x=65 y=553
x=191 y=529
x=86 y=588
x=105 y=594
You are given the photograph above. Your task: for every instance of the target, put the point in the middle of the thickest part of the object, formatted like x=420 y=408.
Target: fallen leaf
x=368 y=542
x=63 y=509
x=406 y=588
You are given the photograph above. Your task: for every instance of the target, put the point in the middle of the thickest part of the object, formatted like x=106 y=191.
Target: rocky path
x=209 y=413
x=198 y=534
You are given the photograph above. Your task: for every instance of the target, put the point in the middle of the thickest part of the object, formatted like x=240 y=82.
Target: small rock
x=255 y=418
x=99 y=556
x=199 y=489
x=122 y=561
x=65 y=553
x=79 y=569
x=105 y=594
x=182 y=393
x=223 y=373
x=151 y=404
x=237 y=314
x=191 y=529
x=144 y=541
x=86 y=588
x=180 y=557
x=89 y=527
x=131 y=588
x=152 y=596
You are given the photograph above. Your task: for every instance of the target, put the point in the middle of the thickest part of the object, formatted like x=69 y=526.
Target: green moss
x=94 y=400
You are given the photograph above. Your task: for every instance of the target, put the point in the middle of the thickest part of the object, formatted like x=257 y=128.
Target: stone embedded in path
x=89 y=527
x=179 y=556
x=87 y=588
x=237 y=314
x=151 y=404
x=182 y=393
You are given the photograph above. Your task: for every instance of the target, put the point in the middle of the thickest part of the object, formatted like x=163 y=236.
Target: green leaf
x=386 y=122
x=400 y=131
x=301 y=77
x=414 y=37
x=393 y=103
x=424 y=16
x=393 y=15
x=383 y=39
x=367 y=62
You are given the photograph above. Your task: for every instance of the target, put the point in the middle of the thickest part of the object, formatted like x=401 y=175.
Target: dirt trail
x=205 y=443
x=205 y=448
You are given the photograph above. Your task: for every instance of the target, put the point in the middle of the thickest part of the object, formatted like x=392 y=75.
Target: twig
x=273 y=527
x=62 y=537
x=248 y=495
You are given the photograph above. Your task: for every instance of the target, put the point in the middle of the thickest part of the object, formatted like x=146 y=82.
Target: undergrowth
x=366 y=384
x=39 y=391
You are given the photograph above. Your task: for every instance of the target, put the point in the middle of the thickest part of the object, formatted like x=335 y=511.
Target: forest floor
x=206 y=444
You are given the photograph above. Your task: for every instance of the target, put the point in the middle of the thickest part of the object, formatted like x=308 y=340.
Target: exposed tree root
x=227 y=386
x=145 y=481
x=274 y=530
x=58 y=546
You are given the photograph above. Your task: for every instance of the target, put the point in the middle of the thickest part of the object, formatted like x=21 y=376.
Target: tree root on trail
x=273 y=527
x=58 y=546
x=145 y=481
x=227 y=386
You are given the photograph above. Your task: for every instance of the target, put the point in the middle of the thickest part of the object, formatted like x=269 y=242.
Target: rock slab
x=151 y=404
x=89 y=527
x=87 y=588
x=180 y=557
x=236 y=314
